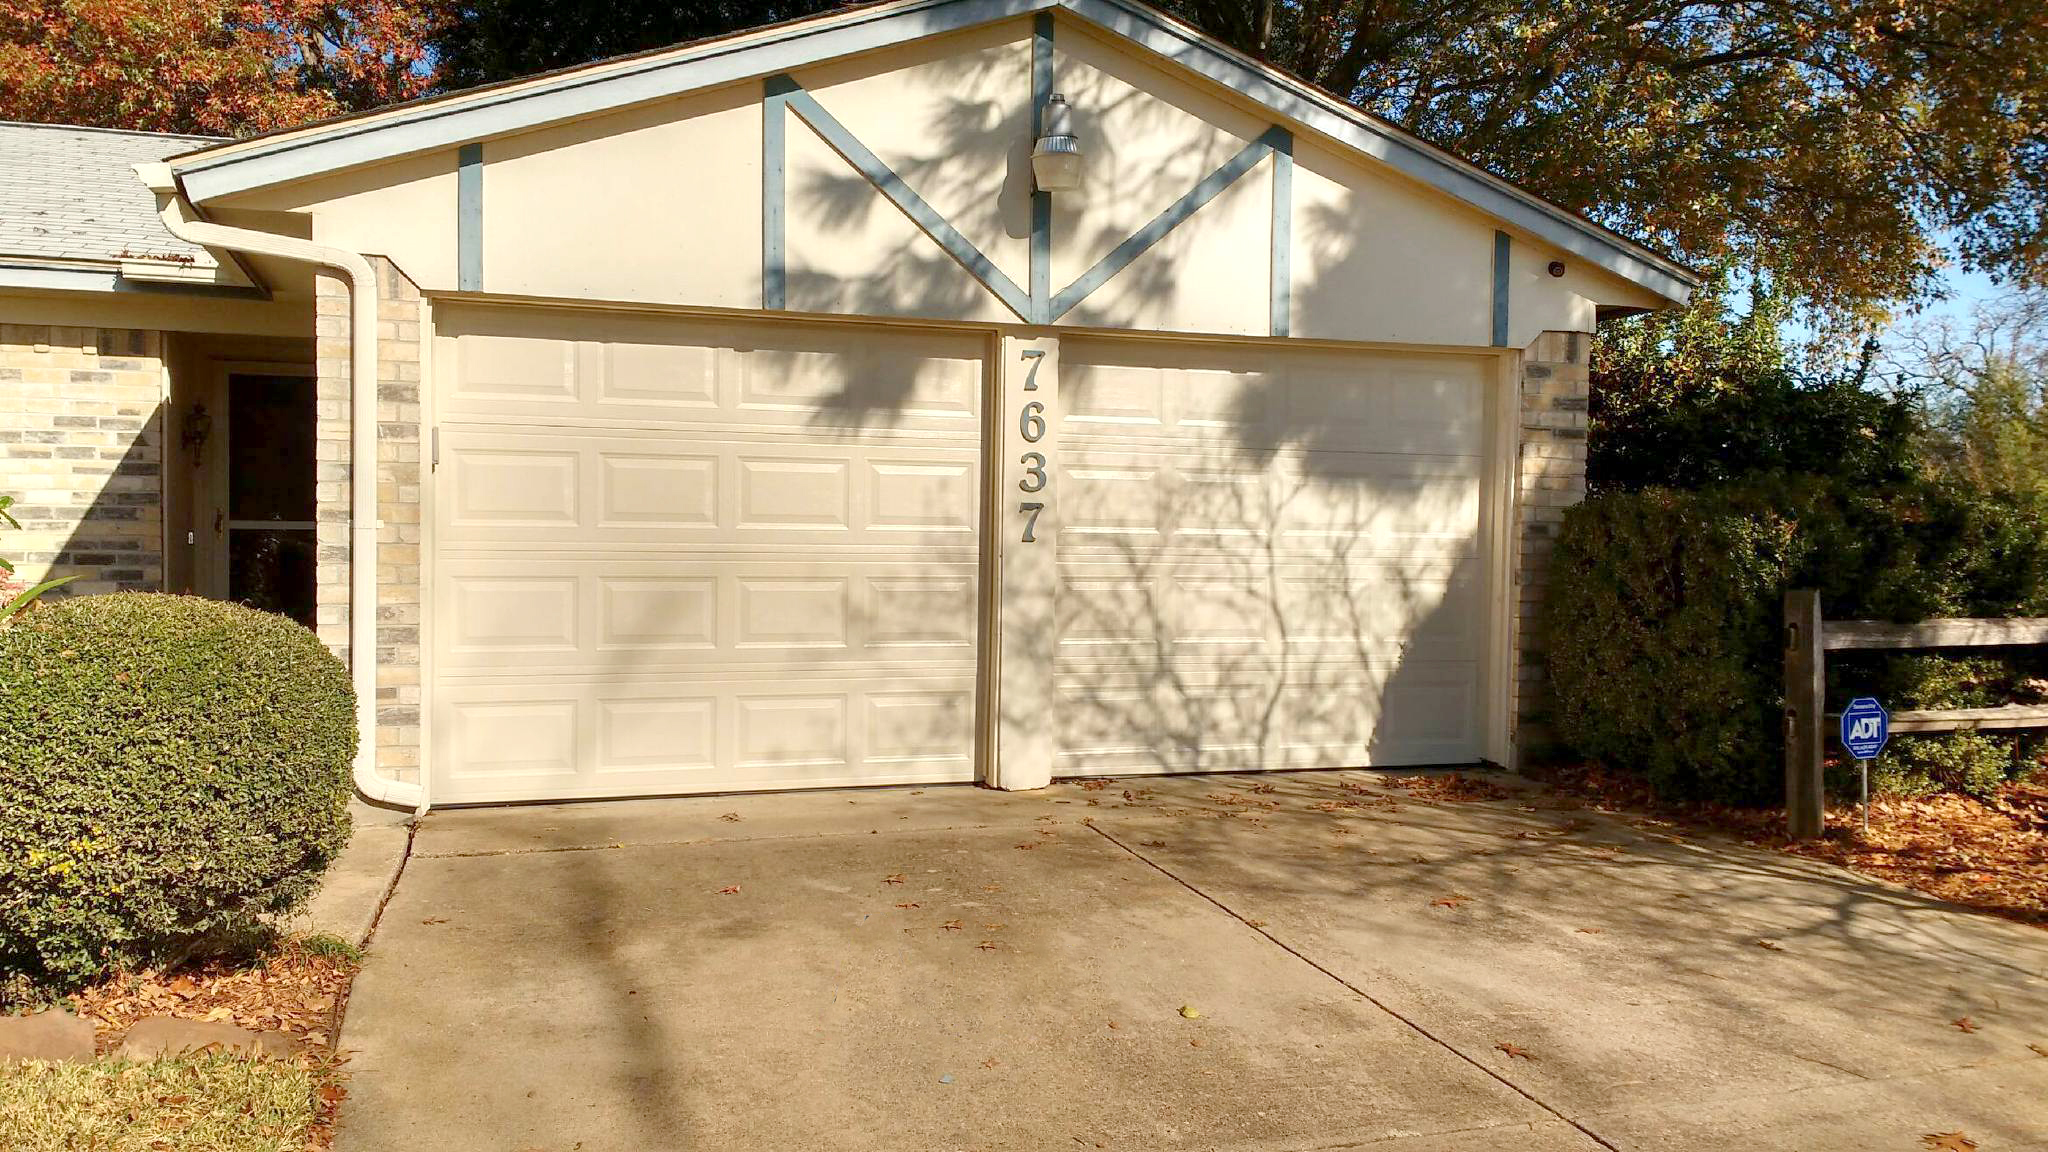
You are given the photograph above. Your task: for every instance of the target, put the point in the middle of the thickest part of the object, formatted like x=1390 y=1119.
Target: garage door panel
x=604 y=611
x=1366 y=607
x=1292 y=500
x=1239 y=715
x=1245 y=401
x=1269 y=559
x=673 y=556
x=562 y=738
x=517 y=365
x=577 y=488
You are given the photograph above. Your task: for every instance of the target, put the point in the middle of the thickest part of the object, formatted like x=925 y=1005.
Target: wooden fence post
x=1805 y=713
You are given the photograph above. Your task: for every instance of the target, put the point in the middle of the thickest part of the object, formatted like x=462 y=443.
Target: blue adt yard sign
x=1865 y=728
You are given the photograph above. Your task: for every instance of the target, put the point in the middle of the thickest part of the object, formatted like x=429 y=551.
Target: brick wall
x=81 y=452
x=1552 y=478
x=398 y=499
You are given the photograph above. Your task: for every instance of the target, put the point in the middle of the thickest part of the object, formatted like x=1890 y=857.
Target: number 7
x=1037 y=357
x=1031 y=509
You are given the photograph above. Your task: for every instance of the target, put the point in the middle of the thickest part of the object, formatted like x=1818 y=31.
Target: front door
x=258 y=511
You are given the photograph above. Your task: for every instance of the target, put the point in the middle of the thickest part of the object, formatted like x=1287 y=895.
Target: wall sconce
x=195 y=428
x=1056 y=158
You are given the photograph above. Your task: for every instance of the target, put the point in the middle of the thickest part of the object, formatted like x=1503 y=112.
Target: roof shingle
x=70 y=194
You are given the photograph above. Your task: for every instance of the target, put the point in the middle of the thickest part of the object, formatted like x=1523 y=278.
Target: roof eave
x=32 y=274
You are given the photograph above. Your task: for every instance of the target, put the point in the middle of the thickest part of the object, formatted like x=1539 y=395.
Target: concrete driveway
x=1190 y=964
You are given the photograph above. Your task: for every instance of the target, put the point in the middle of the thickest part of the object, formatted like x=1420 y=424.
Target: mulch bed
x=1990 y=854
x=297 y=992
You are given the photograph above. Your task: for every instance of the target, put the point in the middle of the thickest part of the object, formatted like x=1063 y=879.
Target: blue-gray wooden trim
x=774 y=192
x=904 y=197
x=469 y=217
x=1041 y=202
x=1500 y=289
x=1207 y=189
x=1283 y=235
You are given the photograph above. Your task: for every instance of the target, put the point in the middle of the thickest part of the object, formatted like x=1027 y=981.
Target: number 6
x=1031 y=422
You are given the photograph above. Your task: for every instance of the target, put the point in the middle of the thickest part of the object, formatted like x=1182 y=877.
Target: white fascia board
x=515 y=107
x=1383 y=142
x=38 y=276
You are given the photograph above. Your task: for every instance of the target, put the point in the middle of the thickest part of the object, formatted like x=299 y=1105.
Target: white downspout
x=179 y=218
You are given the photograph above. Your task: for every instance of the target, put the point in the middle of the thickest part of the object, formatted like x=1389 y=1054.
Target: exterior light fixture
x=1056 y=158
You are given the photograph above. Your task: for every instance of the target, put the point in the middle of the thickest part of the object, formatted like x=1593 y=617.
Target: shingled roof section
x=71 y=194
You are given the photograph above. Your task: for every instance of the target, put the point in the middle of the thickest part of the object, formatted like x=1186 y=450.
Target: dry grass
x=207 y=1103
x=212 y=1103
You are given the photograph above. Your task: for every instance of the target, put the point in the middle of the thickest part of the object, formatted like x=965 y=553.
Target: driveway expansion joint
x=1355 y=990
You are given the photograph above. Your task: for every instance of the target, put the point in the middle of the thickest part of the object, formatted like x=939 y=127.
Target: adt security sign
x=1865 y=728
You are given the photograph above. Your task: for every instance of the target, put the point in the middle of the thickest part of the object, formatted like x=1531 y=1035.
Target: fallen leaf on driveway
x=1255 y=923
x=1451 y=901
x=951 y=926
x=994 y=927
x=1152 y=844
x=731 y=817
x=987 y=945
x=1773 y=945
x=2040 y=1050
x=910 y=904
x=729 y=890
x=894 y=879
x=1964 y=1024
x=1190 y=1012
x=1513 y=1051
x=1948 y=1142
x=990 y=1062
x=991 y=887
x=1592 y=931
x=1026 y=847
x=435 y=920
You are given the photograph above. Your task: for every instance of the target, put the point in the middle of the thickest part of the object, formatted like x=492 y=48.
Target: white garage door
x=684 y=556
x=1269 y=560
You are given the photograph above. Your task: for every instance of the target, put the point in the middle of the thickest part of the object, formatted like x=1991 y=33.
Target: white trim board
x=463 y=117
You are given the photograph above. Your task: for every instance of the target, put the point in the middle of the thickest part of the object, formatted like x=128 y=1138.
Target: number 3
x=1034 y=472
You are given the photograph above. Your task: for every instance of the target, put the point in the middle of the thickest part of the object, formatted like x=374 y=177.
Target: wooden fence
x=1808 y=640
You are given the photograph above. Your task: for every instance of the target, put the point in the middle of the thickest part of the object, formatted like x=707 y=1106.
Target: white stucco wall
x=661 y=204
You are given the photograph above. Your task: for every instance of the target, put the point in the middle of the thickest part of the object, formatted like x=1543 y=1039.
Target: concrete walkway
x=1189 y=964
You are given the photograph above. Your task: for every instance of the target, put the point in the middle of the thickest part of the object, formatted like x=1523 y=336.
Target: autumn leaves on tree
x=211 y=67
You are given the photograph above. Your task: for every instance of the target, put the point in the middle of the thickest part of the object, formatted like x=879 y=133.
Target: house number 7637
x=1031 y=426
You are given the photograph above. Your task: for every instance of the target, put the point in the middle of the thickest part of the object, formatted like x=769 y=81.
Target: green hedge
x=174 y=770
x=1664 y=610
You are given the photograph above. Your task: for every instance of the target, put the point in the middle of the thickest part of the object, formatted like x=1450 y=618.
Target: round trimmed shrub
x=173 y=770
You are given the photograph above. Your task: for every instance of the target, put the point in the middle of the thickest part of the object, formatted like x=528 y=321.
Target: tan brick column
x=81 y=451
x=1552 y=478
x=398 y=501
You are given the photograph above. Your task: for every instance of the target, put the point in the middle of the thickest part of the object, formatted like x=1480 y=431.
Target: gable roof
x=69 y=196
x=494 y=110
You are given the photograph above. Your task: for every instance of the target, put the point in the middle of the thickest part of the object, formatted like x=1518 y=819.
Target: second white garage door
x=1270 y=558
x=677 y=556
